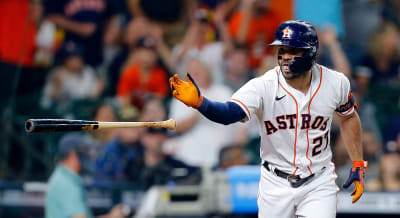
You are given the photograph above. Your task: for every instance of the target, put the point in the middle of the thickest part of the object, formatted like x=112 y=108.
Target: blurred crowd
x=110 y=60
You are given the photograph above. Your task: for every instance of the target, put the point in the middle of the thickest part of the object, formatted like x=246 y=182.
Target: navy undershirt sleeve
x=224 y=113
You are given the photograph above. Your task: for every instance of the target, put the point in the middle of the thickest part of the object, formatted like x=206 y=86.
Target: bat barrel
x=65 y=125
x=29 y=126
x=58 y=125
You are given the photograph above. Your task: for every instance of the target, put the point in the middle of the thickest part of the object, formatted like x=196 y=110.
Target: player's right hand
x=187 y=92
x=357 y=177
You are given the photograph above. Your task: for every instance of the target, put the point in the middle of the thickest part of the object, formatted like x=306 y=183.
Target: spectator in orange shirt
x=18 y=27
x=143 y=77
x=253 y=25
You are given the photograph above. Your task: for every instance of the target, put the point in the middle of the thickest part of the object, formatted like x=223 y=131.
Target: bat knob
x=171 y=124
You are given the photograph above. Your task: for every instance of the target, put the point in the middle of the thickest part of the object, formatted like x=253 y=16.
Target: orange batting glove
x=186 y=92
x=357 y=177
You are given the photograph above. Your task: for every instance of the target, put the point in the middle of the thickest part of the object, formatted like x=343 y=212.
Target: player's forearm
x=350 y=128
x=223 y=113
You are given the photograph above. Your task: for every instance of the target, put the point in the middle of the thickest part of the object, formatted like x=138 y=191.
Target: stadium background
x=74 y=72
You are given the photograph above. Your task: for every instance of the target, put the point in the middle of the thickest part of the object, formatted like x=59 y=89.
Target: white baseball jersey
x=294 y=127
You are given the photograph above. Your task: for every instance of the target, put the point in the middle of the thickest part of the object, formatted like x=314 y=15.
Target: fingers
x=189 y=78
x=358 y=191
x=177 y=80
x=175 y=93
x=174 y=81
x=171 y=84
x=348 y=182
x=353 y=192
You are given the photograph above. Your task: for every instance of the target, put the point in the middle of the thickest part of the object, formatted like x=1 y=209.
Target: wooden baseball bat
x=66 y=125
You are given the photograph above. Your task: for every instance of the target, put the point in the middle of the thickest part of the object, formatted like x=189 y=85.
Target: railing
x=216 y=194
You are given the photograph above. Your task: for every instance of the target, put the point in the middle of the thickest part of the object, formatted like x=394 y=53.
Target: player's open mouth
x=285 y=68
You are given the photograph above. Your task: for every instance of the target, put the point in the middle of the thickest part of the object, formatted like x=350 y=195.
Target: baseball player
x=294 y=105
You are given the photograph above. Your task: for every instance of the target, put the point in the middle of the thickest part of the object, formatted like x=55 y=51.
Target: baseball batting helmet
x=298 y=34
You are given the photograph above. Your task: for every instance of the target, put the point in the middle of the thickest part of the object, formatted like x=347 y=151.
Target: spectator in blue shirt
x=156 y=167
x=65 y=196
x=116 y=153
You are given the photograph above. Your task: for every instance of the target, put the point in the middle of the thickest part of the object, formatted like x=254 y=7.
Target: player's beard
x=285 y=69
x=284 y=66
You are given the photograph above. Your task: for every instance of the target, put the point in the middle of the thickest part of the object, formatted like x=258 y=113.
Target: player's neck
x=301 y=83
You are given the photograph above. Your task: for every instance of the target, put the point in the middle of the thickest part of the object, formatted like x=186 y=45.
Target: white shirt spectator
x=212 y=54
x=63 y=86
x=201 y=144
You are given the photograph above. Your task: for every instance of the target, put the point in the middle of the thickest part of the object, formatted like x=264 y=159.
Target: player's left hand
x=357 y=177
x=187 y=92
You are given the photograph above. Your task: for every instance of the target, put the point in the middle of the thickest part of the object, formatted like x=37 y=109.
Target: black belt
x=294 y=180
